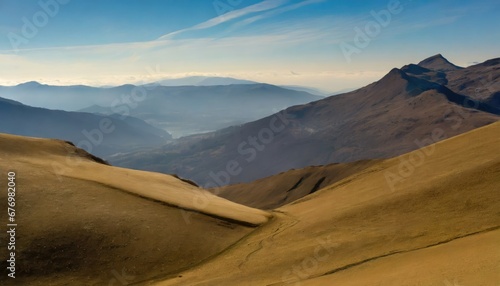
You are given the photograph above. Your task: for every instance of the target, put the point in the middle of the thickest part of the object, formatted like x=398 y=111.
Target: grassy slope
x=439 y=225
x=94 y=221
x=284 y=188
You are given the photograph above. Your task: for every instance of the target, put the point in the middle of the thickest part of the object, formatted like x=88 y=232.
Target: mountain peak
x=438 y=63
x=394 y=74
x=397 y=80
x=30 y=84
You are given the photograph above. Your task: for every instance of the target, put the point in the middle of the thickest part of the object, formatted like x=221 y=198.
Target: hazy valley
x=252 y=143
x=292 y=217
x=394 y=115
x=179 y=110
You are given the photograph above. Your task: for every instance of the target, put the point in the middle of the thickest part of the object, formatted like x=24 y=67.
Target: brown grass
x=94 y=220
x=440 y=224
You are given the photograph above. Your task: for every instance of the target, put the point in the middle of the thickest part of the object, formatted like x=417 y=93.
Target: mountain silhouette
x=98 y=134
x=405 y=110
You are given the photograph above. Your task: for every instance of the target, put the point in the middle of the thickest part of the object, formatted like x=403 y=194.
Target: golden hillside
x=82 y=222
x=438 y=225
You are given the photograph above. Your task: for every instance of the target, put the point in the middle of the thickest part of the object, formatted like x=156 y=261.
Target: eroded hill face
x=81 y=222
x=395 y=115
x=284 y=188
x=429 y=217
x=481 y=82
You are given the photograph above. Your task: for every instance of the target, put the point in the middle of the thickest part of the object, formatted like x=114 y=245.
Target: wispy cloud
x=329 y=29
x=259 y=7
x=276 y=12
x=255 y=42
x=112 y=47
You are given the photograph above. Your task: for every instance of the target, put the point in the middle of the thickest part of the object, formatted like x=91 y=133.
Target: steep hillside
x=429 y=217
x=479 y=82
x=82 y=222
x=284 y=188
x=397 y=114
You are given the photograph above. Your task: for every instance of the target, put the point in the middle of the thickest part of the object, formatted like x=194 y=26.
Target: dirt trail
x=284 y=221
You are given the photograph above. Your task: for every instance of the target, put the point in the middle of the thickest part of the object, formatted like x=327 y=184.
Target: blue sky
x=295 y=42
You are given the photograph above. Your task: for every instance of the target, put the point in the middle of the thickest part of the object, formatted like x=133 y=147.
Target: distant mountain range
x=211 y=81
x=180 y=110
x=203 y=81
x=68 y=98
x=185 y=110
x=98 y=134
x=408 y=108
